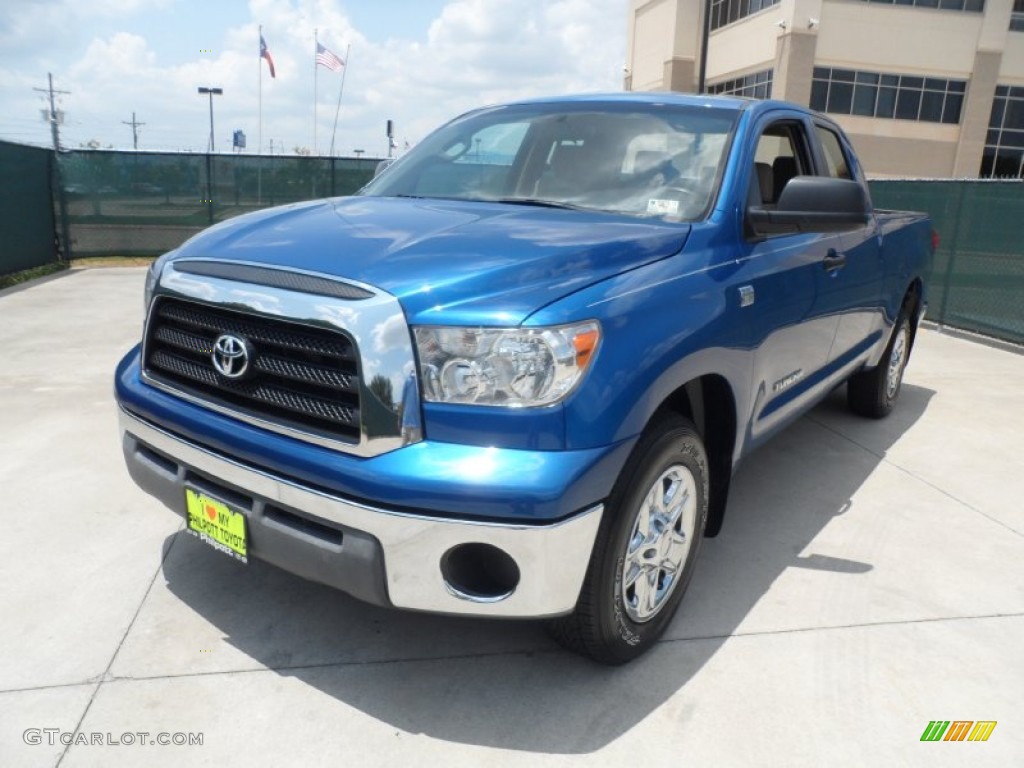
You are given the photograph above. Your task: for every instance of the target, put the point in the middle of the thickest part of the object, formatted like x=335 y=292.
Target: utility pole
x=64 y=253
x=135 y=132
x=53 y=112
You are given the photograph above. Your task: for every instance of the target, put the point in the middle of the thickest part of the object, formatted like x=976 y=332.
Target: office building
x=924 y=88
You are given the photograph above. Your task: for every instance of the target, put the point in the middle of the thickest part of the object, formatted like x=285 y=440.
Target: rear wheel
x=873 y=392
x=646 y=548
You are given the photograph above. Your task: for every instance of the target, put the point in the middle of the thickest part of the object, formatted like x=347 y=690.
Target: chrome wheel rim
x=659 y=542
x=896 y=361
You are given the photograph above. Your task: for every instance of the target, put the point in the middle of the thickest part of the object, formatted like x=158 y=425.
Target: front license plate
x=217 y=524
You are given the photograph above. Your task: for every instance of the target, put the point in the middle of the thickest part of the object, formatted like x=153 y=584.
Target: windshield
x=646 y=160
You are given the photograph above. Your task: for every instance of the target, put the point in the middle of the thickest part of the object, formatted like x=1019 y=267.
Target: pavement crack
x=882 y=457
x=540 y=651
x=857 y=625
x=349 y=663
x=106 y=676
x=91 y=681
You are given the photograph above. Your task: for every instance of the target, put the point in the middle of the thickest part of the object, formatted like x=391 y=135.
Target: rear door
x=780 y=283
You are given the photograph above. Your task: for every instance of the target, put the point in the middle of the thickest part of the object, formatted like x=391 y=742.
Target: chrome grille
x=299 y=376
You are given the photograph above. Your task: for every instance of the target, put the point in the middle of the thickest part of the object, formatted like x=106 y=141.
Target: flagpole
x=344 y=71
x=259 y=131
x=316 y=150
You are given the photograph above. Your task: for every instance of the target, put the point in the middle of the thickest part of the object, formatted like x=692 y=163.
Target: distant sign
x=57 y=113
x=239 y=140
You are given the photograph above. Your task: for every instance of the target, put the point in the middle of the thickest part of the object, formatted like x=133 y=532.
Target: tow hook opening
x=479 y=572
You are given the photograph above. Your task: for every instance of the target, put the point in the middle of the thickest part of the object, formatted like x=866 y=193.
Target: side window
x=835 y=158
x=780 y=155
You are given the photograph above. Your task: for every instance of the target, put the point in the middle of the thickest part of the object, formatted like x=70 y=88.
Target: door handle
x=834 y=260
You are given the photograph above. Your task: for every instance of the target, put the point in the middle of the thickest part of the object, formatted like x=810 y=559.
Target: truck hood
x=446 y=261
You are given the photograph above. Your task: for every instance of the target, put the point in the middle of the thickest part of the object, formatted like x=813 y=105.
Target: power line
x=135 y=132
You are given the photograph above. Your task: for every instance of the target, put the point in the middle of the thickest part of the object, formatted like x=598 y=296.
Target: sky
x=417 y=62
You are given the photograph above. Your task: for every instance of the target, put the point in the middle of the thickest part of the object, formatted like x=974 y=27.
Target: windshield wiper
x=536 y=201
x=431 y=197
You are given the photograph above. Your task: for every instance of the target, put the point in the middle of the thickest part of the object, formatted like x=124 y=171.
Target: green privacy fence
x=27 y=234
x=978 y=280
x=141 y=203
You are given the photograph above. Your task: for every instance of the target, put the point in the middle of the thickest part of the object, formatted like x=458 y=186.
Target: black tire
x=610 y=623
x=873 y=392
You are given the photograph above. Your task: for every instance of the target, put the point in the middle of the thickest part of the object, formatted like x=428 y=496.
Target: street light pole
x=211 y=92
x=705 y=37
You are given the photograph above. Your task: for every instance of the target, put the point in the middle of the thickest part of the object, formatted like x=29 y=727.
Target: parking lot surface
x=869 y=579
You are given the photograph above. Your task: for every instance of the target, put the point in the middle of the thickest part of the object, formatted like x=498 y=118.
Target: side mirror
x=382 y=166
x=813 y=204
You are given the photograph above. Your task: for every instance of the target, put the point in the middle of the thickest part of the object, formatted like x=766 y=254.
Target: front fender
x=663 y=325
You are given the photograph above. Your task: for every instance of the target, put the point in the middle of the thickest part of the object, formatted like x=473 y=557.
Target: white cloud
x=475 y=52
x=390 y=335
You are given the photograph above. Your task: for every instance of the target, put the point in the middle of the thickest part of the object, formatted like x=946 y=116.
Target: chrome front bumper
x=552 y=559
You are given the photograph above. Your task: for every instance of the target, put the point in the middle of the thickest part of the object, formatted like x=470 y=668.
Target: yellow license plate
x=217 y=524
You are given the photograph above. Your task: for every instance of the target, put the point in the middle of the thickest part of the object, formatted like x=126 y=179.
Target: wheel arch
x=912 y=299
x=708 y=401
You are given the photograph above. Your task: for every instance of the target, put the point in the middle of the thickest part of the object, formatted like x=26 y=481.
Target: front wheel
x=646 y=548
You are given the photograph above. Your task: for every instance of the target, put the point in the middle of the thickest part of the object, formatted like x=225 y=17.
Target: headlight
x=513 y=367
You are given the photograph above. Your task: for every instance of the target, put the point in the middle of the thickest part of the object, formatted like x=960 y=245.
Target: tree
x=381 y=387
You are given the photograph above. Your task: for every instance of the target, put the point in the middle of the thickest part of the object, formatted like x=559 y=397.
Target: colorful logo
x=958 y=730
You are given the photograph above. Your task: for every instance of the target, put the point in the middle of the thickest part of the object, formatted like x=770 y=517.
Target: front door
x=781 y=283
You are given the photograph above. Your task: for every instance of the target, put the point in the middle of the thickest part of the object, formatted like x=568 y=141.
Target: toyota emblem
x=230 y=356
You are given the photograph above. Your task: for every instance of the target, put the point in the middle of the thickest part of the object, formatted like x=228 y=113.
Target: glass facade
x=727 y=11
x=1017 y=17
x=973 y=6
x=889 y=96
x=1004 y=144
x=757 y=85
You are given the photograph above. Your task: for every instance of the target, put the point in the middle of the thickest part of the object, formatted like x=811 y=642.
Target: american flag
x=326 y=58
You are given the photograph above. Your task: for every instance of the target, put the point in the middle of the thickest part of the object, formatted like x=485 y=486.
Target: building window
x=877 y=94
x=973 y=6
x=757 y=85
x=727 y=11
x=1004 y=145
x=1017 y=17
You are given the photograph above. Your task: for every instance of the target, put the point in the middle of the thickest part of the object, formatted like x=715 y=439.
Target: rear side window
x=835 y=159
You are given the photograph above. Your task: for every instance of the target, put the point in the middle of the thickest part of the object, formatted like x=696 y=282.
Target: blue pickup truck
x=514 y=374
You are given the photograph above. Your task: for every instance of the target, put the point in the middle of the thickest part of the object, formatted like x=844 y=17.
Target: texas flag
x=265 y=54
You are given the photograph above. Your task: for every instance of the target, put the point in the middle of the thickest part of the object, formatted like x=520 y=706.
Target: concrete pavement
x=869 y=579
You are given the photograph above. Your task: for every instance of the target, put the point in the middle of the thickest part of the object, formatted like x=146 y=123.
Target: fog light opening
x=479 y=572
